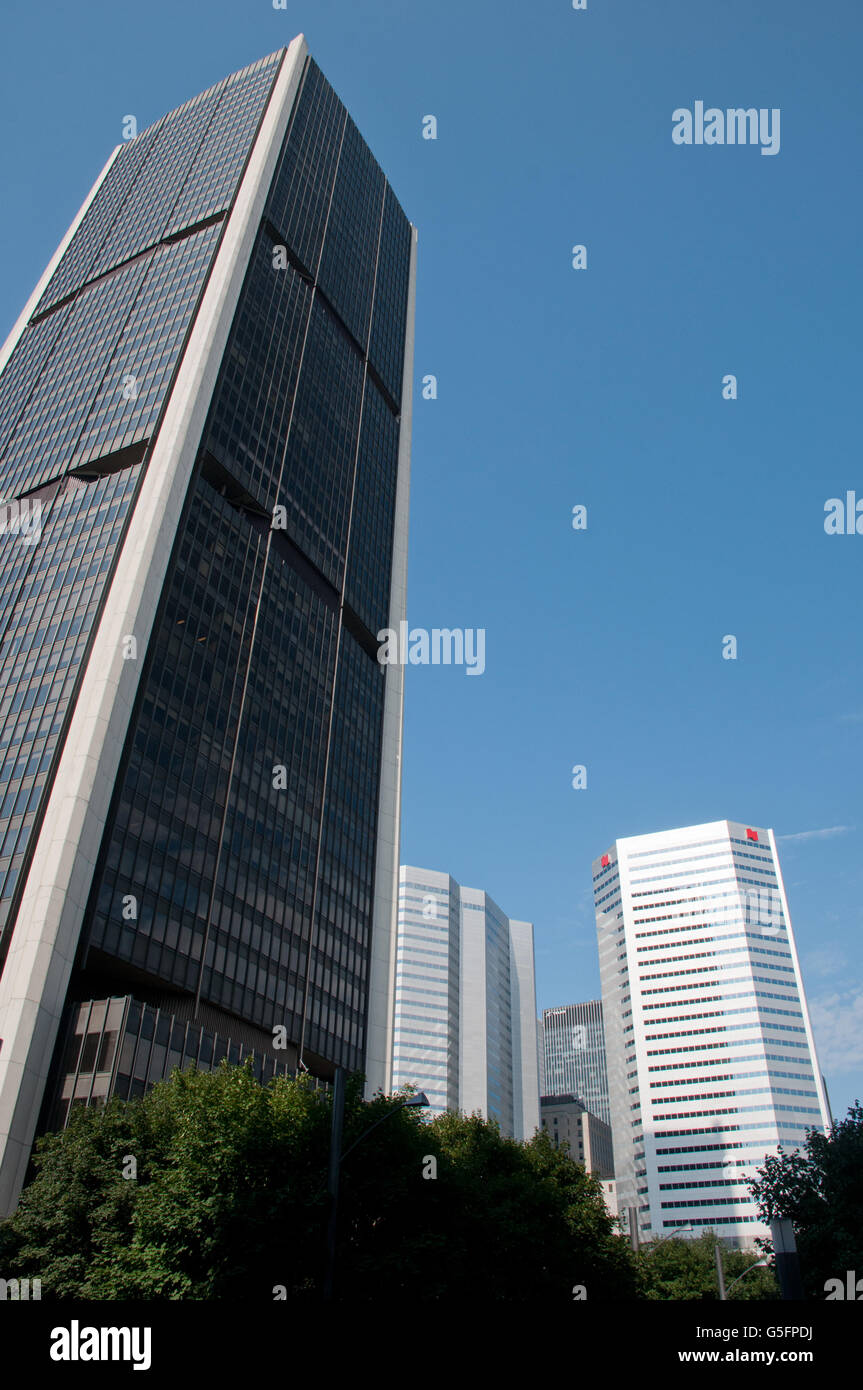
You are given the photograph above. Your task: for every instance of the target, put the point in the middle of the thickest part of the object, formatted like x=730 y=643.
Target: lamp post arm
x=368 y=1131
x=759 y=1264
x=672 y=1235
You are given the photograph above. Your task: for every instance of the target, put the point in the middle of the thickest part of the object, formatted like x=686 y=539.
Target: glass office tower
x=204 y=459
x=573 y=1055
x=464 y=1030
x=711 y=1058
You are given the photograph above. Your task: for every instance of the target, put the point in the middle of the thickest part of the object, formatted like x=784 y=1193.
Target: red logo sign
x=752 y=834
x=604 y=861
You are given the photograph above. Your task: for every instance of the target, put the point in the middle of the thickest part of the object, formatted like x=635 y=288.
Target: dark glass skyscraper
x=204 y=460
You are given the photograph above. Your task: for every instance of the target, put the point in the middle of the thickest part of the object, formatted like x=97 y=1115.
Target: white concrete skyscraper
x=465 y=1003
x=711 y=1058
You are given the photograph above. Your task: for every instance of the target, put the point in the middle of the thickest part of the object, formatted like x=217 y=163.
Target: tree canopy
x=228 y=1200
x=820 y=1190
x=686 y=1270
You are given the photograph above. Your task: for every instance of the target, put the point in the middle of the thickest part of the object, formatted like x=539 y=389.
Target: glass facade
x=573 y=1044
x=465 y=1008
x=257 y=895
x=500 y=1057
x=426 y=1035
x=236 y=872
x=80 y=398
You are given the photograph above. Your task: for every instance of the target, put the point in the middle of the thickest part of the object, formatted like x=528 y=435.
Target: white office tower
x=711 y=1059
x=465 y=1003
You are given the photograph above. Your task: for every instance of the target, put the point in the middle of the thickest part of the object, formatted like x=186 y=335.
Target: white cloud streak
x=816 y=834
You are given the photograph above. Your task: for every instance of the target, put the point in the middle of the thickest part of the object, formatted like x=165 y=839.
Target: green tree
x=681 y=1269
x=229 y=1201
x=70 y=1215
x=821 y=1191
x=502 y=1220
x=221 y=1163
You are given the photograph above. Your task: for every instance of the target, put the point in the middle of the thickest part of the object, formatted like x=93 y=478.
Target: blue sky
x=601 y=387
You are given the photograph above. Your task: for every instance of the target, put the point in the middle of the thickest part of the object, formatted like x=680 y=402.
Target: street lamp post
x=336 y=1128
x=337 y=1158
x=720 y=1273
x=672 y=1235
